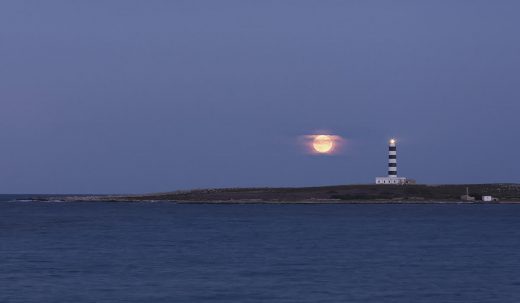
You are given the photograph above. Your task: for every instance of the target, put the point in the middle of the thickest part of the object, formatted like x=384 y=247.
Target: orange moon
x=323 y=144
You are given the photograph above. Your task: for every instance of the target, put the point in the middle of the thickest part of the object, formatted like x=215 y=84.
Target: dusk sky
x=146 y=96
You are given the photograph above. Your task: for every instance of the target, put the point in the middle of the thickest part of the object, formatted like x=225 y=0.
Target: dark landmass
x=505 y=193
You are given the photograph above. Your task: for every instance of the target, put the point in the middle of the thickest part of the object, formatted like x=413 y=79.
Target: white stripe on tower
x=392 y=159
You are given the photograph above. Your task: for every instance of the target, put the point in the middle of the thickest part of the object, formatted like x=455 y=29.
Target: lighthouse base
x=394 y=180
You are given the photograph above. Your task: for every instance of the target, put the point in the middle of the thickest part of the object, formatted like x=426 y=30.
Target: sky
x=125 y=96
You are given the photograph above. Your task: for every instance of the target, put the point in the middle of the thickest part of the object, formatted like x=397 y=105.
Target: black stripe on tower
x=392 y=148
x=392 y=156
x=392 y=164
x=392 y=173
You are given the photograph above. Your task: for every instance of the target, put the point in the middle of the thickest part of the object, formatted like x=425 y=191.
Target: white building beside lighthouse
x=392 y=177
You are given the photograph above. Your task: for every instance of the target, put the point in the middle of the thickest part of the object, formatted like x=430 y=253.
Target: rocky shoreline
x=352 y=194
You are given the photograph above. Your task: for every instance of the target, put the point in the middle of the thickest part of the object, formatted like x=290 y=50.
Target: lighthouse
x=392 y=159
x=392 y=177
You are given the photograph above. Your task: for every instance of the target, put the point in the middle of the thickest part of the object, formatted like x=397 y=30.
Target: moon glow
x=323 y=144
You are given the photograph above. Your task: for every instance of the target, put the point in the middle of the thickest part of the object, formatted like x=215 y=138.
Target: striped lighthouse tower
x=392 y=159
x=392 y=177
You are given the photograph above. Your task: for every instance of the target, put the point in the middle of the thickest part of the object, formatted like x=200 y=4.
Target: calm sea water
x=165 y=252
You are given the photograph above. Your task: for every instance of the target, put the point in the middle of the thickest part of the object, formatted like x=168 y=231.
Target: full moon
x=323 y=144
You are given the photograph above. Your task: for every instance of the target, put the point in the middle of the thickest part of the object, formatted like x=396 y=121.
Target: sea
x=167 y=252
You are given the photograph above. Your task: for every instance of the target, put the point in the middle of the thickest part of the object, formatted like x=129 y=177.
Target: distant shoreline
x=342 y=194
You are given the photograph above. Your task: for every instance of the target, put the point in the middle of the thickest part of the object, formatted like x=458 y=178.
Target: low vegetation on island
x=327 y=194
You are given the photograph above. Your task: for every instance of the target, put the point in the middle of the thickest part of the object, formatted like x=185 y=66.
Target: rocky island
x=411 y=193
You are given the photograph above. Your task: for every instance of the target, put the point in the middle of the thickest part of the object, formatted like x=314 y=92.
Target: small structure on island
x=392 y=168
x=484 y=198
x=467 y=197
x=489 y=199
